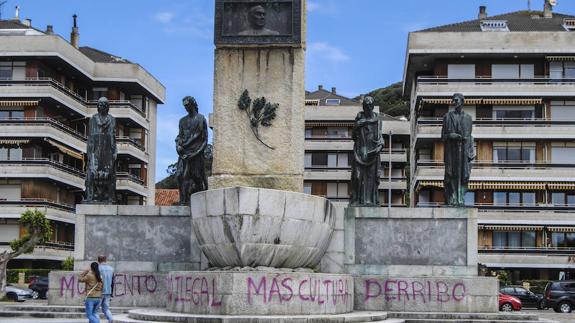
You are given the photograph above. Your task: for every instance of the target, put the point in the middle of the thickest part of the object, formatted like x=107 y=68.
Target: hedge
x=12 y=274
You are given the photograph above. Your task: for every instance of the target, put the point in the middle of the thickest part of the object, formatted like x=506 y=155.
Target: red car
x=509 y=303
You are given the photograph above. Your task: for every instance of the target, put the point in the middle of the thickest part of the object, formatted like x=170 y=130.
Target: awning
x=330 y=124
x=513 y=101
x=66 y=150
x=439 y=184
x=560 y=58
x=521 y=186
x=19 y=103
x=561 y=229
x=436 y=101
x=13 y=142
x=561 y=186
x=513 y=227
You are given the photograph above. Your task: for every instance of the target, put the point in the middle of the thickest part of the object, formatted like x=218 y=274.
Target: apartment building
x=48 y=90
x=517 y=72
x=329 y=119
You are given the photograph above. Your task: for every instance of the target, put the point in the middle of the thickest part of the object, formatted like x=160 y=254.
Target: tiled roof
x=12 y=24
x=166 y=197
x=516 y=21
x=323 y=95
x=99 y=56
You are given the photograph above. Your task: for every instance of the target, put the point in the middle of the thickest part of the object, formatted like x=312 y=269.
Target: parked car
x=19 y=294
x=509 y=303
x=39 y=285
x=527 y=298
x=560 y=295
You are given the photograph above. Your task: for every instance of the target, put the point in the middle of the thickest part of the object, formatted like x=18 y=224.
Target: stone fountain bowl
x=252 y=227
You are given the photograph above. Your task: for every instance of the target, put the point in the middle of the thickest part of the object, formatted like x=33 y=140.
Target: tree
x=38 y=231
x=390 y=100
x=171 y=182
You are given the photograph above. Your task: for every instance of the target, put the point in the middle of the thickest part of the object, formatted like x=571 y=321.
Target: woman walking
x=93 y=282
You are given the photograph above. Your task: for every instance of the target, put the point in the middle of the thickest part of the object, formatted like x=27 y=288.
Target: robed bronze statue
x=102 y=153
x=458 y=152
x=367 y=145
x=191 y=142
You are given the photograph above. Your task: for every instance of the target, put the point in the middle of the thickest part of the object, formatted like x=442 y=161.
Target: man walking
x=107 y=273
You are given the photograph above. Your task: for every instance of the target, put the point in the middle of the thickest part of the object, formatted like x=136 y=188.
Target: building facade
x=329 y=119
x=517 y=72
x=48 y=91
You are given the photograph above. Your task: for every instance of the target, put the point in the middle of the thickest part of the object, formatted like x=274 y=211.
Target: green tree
x=170 y=182
x=38 y=231
x=390 y=100
x=68 y=264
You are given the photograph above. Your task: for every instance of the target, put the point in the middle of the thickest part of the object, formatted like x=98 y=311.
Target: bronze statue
x=190 y=145
x=458 y=152
x=367 y=146
x=102 y=153
x=257 y=22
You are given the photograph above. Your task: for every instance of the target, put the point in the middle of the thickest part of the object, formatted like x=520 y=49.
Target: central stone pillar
x=270 y=65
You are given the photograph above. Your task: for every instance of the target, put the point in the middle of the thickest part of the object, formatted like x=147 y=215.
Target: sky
x=354 y=45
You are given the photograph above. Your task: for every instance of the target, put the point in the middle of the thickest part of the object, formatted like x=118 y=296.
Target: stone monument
x=458 y=152
x=191 y=142
x=260 y=47
x=102 y=153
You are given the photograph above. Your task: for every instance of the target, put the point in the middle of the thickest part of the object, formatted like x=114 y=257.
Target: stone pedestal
x=259 y=293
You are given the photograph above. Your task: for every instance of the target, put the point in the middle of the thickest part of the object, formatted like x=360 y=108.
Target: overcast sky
x=354 y=45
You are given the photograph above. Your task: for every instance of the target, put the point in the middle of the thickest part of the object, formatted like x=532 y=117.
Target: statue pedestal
x=416 y=260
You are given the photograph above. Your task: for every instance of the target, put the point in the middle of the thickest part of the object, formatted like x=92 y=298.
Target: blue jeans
x=105 y=302
x=91 y=310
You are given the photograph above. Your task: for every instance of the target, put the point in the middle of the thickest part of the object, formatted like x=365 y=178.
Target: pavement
x=551 y=315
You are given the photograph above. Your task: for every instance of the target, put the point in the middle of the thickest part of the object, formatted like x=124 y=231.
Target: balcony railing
x=37 y=202
x=501 y=164
x=58 y=245
x=130 y=141
x=46 y=81
x=540 y=80
x=328 y=138
x=47 y=162
x=494 y=122
x=527 y=250
x=42 y=121
x=510 y=207
x=130 y=177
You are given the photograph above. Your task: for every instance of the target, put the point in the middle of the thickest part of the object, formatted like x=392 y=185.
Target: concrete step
x=55 y=308
x=390 y=321
x=464 y=317
x=471 y=321
x=44 y=315
x=161 y=315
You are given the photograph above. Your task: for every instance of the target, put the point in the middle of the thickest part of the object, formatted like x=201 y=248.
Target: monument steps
x=420 y=317
x=47 y=311
x=161 y=315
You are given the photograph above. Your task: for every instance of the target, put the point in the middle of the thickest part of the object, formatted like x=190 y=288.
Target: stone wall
x=136 y=238
x=131 y=289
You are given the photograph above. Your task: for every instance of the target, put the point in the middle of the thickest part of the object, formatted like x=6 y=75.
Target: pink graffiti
x=285 y=289
x=414 y=291
x=197 y=290
x=124 y=285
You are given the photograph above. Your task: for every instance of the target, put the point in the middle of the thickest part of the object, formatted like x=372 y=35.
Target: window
x=319 y=159
x=514 y=239
x=517 y=112
x=513 y=71
x=12 y=114
x=514 y=151
x=514 y=198
x=558 y=198
x=340 y=132
x=337 y=190
x=563 y=239
x=307 y=160
x=99 y=92
x=563 y=152
x=560 y=70
x=424 y=197
x=5 y=70
x=461 y=71
x=424 y=154
x=307 y=188
x=332 y=101
x=308 y=133
x=469 y=198
x=10 y=153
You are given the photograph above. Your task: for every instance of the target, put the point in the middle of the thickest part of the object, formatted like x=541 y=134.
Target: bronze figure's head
x=368 y=104
x=257 y=17
x=458 y=101
x=190 y=104
x=103 y=106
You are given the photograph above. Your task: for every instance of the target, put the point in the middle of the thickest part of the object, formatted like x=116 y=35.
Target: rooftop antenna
x=528 y=5
x=1 y=4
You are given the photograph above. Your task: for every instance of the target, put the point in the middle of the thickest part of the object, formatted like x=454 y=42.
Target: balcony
x=49 y=251
x=128 y=182
x=397 y=183
x=430 y=129
x=319 y=143
x=130 y=146
x=324 y=173
x=502 y=171
x=539 y=214
x=534 y=258
x=398 y=155
x=487 y=86
x=47 y=87
x=12 y=209
x=42 y=168
x=42 y=128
